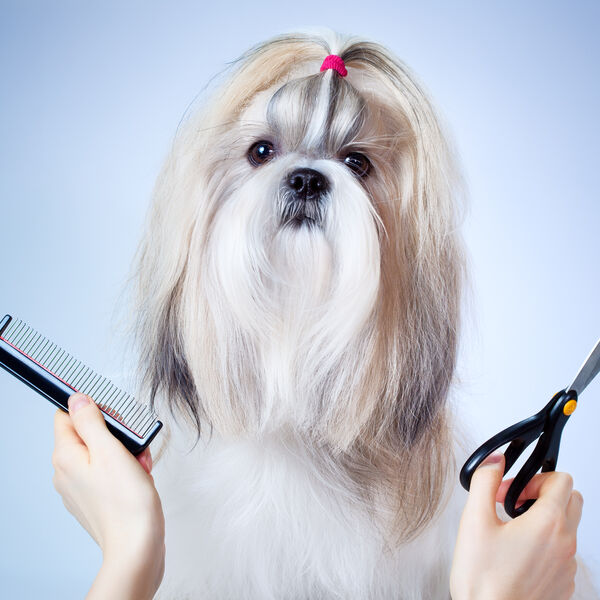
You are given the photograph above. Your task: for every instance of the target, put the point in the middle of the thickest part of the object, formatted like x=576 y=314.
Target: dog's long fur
x=311 y=352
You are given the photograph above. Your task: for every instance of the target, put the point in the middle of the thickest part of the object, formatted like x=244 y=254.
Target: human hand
x=531 y=557
x=113 y=497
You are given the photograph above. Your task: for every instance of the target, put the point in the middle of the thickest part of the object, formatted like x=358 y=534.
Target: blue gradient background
x=91 y=94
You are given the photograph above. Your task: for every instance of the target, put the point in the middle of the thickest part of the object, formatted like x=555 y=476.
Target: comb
x=55 y=374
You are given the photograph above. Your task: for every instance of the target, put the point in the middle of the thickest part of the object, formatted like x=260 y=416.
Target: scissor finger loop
x=547 y=425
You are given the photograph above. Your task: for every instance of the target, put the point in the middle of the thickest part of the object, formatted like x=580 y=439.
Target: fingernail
x=492 y=460
x=77 y=401
x=147 y=463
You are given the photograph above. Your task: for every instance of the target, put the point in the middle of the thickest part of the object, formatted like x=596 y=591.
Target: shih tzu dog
x=299 y=294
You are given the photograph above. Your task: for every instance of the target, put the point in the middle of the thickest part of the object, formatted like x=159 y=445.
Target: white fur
x=250 y=519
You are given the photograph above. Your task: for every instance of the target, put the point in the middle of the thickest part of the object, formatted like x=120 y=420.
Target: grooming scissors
x=547 y=425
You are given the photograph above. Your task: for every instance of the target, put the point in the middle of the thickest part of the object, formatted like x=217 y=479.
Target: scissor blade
x=588 y=371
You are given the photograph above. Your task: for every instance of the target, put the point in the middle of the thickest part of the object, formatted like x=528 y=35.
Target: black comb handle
x=58 y=391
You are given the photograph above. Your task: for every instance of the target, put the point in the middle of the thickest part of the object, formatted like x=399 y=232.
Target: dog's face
x=294 y=230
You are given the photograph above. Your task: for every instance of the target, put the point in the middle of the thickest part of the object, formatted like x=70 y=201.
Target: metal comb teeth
x=117 y=405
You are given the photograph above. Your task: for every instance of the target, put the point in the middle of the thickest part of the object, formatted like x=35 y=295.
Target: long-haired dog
x=300 y=286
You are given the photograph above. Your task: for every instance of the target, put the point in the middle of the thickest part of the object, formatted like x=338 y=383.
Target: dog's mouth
x=302 y=213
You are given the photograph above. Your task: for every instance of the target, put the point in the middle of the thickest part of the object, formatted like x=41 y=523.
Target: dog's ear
x=168 y=369
x=160 y=271
x=166 y=375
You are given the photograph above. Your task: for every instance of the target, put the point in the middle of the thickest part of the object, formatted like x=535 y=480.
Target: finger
x=64 y=431
x=145 y=459
x=574 y=510
x=485 y=482
x=504 y=485
x=70 y=453
x=552 y=488
x=530 y=491
x=89 y=423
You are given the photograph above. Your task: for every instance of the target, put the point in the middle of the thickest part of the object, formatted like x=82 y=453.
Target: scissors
x=547 y=425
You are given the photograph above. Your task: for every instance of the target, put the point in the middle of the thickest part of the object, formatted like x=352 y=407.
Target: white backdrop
x=91 y=94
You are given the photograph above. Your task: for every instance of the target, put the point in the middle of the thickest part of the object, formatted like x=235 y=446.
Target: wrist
x=132 y=567
x=126 y=576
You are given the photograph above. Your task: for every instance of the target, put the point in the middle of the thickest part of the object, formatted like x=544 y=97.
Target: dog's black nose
x=307 y=184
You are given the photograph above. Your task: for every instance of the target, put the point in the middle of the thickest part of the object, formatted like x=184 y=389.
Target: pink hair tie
x=334 y=62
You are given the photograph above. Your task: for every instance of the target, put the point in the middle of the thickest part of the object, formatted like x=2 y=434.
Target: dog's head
x=302 y=267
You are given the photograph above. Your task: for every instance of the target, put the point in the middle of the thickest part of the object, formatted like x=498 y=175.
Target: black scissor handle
x=545 y=453
x=523 y=477
x=549 y=422
x=519 y=435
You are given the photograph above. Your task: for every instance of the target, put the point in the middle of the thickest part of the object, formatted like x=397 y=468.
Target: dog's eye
x=260 y=152
x=358 y=163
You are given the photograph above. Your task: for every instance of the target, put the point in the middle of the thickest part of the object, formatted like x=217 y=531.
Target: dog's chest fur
x=249 y=519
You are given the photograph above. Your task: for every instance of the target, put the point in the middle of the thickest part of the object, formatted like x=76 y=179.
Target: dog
x=299 y=298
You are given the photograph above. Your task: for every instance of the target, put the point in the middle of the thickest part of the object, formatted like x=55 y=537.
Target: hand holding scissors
x=547 y=425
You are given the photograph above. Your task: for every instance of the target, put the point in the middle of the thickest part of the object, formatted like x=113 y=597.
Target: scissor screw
x=569 y=407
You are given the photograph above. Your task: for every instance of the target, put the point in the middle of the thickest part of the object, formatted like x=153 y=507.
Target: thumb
x=484 y=486
x=88 y=420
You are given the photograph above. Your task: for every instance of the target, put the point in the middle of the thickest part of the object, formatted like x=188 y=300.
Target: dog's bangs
x=319 y=114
